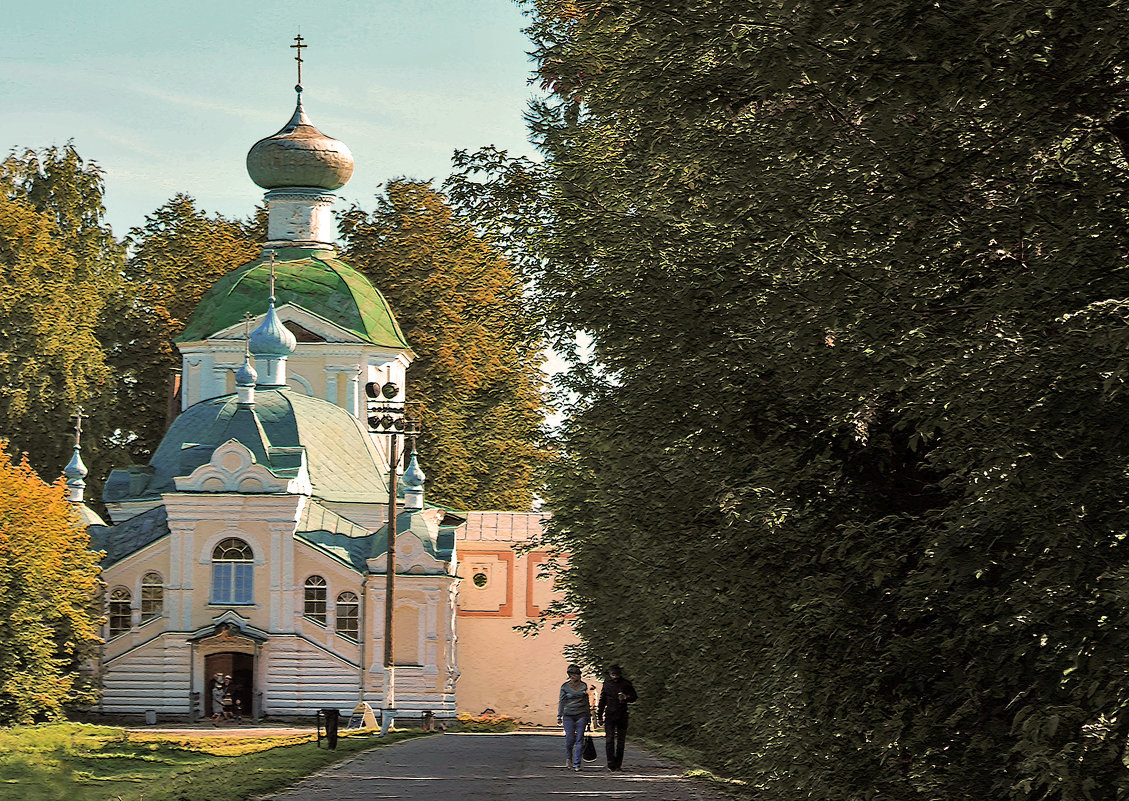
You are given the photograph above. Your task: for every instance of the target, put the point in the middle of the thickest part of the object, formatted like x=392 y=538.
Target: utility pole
x=386 y=417
x=390 y=576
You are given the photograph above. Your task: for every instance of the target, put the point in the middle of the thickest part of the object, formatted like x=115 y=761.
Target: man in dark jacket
x=615 y=695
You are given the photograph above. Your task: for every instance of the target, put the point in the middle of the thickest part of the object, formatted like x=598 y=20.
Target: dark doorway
x=241 y=668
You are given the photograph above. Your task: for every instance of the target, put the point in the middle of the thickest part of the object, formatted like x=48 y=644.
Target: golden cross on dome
x=298 y=46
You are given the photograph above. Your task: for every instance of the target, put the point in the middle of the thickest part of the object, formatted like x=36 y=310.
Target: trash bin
x=150 y=717
x=331 y=720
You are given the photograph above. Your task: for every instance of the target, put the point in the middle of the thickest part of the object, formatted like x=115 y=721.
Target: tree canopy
x=60 y=264
x=477 y=371
x=175 y=257
x=844 y=489
x=50 y=599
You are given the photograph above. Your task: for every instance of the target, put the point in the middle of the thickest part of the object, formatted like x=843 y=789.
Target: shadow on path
x=500 y=767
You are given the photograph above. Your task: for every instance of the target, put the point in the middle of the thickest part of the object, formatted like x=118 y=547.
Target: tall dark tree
x=845 y=480
x=477 y=371
x=175 y=257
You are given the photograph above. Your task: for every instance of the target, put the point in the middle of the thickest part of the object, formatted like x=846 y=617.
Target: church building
x=255 y=542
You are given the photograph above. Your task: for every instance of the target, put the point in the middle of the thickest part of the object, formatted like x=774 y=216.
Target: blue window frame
x=233 y=573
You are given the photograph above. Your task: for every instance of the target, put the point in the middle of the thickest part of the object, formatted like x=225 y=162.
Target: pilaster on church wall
x=200 y=521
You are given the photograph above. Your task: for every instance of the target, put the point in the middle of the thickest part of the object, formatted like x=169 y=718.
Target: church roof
x=328 y=531
x=311 y=278
x=129 y=536
x=342 y=460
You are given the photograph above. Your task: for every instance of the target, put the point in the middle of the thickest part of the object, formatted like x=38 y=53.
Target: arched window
x=315 y=599
x=233 y=567
x=348 y=615
x=152 y=596
x=121 y=615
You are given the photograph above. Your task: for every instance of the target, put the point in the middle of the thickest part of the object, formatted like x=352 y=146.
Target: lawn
x=77 y=762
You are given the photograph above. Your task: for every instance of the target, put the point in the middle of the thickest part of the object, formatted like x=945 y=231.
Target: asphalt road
x=499 y=767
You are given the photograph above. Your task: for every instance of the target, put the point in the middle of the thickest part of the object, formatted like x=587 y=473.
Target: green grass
x=77 y=762
x=690 y=762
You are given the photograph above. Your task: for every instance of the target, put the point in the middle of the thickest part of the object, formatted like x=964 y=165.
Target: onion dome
x=271 y=338
x=75 y=473
x=413 y=477
x=413 y=485
x=246 y=376
x=300 y=156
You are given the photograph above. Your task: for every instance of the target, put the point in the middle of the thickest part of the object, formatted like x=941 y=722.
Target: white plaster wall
x=153 y=675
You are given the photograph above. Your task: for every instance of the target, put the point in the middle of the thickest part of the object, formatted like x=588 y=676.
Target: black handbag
x=589 y=752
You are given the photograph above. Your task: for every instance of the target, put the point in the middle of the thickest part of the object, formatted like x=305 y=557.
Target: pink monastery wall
x=499 y=668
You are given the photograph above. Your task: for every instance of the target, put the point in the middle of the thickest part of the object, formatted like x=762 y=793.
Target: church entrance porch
x=241 y=668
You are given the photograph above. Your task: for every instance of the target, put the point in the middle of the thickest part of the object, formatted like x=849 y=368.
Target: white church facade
x=255 y=542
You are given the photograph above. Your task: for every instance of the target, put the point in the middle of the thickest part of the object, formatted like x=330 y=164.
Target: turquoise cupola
x=272 y=343
x=413 y=479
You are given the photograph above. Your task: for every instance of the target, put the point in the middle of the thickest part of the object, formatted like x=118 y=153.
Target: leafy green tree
x=60 y=263
x=478 y=352
x=49 y=599
x=174 y=258
x=844 y=481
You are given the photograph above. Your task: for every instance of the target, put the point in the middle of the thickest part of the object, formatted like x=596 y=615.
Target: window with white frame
x=152 y=596
x=348 y=615
x=121 y=612
x=233 y=572
x=314 y=603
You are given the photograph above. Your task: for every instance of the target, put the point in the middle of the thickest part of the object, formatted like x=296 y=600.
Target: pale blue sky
x=169 y=96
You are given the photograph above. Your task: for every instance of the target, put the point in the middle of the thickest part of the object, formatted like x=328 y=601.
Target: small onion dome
x=413 y=477
x=75 y=471
x=246 y=376
x=271 y=338
x=300 y=155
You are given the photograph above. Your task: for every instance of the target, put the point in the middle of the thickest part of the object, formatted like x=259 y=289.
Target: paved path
x=499 y=767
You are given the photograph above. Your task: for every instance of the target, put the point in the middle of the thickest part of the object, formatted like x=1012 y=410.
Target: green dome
x=342 y=460
x=313 y=279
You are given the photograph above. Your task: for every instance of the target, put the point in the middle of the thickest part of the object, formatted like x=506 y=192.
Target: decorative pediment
x=232 y=468
x=229 y=626
x=313 y=327
x=411 y=557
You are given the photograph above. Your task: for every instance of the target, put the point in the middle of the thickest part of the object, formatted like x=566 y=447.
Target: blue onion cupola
x=272 y=343
x=245 y=378
x=413 y=479
x=75 y=473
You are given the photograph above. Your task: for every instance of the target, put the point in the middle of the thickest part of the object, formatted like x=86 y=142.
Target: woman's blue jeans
x=574 y=726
